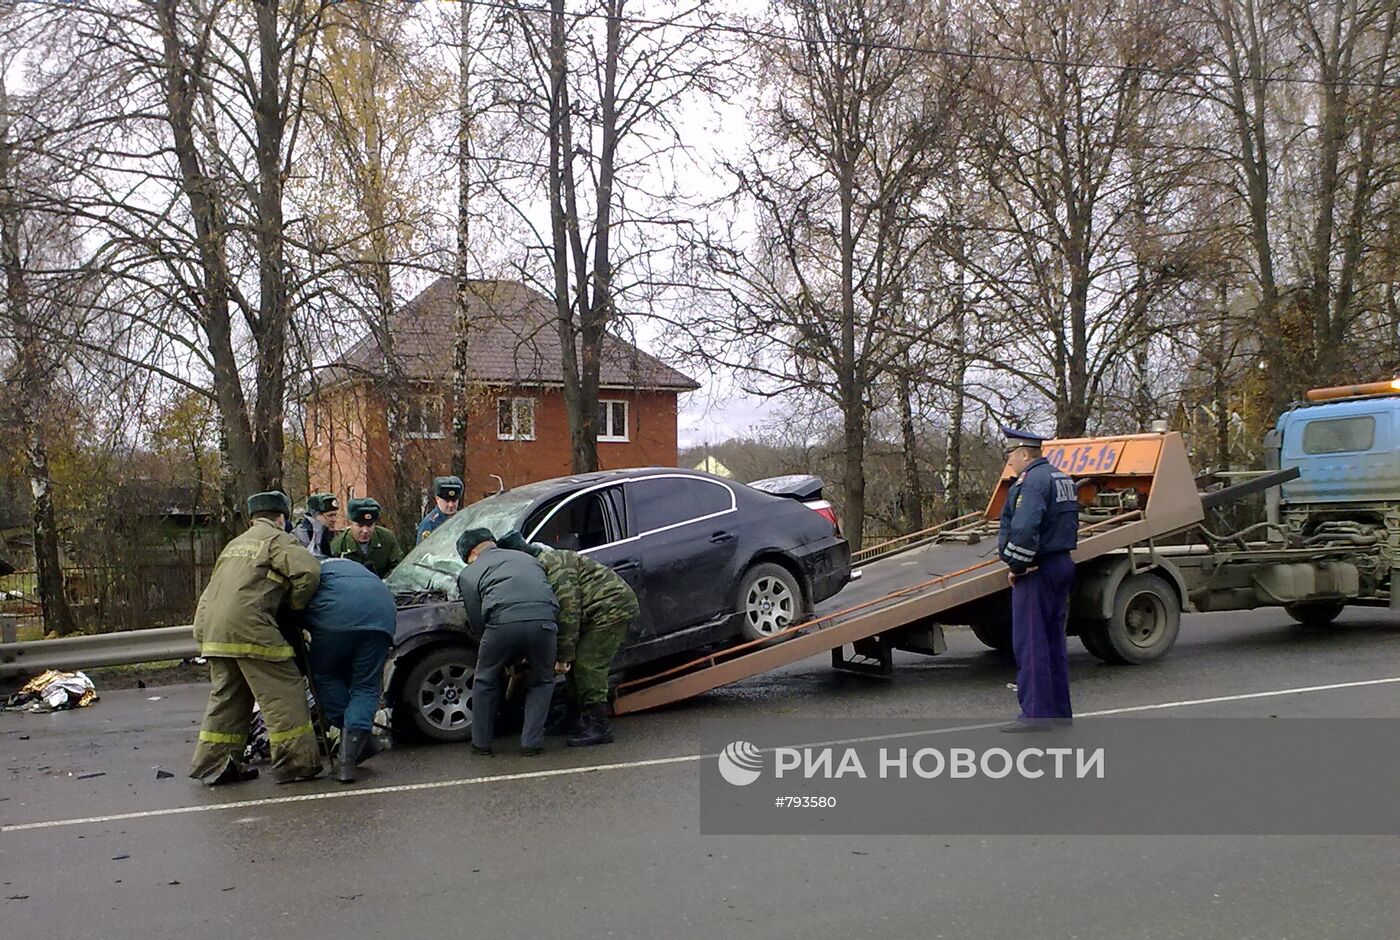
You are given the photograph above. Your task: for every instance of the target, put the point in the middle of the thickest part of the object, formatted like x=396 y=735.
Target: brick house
x=517 y=427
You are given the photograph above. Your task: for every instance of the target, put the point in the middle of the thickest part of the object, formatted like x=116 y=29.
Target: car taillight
x=823 y=508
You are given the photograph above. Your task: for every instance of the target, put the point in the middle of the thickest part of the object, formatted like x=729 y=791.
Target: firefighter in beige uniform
x=235 y=626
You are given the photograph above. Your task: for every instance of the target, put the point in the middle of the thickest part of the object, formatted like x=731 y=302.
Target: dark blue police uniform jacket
x=1041 y=517
x=430 y=522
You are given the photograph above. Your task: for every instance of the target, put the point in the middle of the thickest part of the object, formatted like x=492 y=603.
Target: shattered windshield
x=433 y=564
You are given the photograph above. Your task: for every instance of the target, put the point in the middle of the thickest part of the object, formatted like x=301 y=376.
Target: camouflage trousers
x=280 y=692
x=587 y=682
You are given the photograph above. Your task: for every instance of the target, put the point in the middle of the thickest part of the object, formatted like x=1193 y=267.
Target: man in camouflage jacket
x=596 y=609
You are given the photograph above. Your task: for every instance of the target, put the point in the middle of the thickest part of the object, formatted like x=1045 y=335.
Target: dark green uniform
x=596 y=609
x=380 y=554
x=235 y=625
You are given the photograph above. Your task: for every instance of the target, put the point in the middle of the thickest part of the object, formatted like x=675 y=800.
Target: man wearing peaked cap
x=314 y=530
x=1039 y=529
x=235 y=625
x=447 y=493
x=366 y=541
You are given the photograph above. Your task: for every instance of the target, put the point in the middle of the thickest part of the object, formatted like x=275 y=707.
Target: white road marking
x=636 y=764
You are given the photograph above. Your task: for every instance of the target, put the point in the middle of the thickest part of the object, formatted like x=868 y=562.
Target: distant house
x=517 y=429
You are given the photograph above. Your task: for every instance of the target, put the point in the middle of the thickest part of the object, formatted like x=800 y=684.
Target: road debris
x=53 y=691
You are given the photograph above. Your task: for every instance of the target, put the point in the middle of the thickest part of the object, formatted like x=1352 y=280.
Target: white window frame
x=421 y=433
x=603 y=433
x=514 y=434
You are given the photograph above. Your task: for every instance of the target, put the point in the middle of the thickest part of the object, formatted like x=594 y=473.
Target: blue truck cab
x=1346 y=452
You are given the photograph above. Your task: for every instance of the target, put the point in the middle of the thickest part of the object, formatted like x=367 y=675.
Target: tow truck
x=1147 y=551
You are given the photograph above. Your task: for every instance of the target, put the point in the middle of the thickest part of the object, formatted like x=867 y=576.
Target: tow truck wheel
x=437 y=694
x=996 y=636
x=1093 y=633
x=769 y=601
x=1315 y=613
x=1145 y=622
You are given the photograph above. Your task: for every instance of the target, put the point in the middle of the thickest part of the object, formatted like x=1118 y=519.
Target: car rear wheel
x=770 y=600
x=437 y=694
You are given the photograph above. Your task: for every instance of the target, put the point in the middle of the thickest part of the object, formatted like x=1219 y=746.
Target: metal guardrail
x=31 y=657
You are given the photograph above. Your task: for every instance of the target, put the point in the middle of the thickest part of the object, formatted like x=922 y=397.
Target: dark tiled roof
x=513 y=341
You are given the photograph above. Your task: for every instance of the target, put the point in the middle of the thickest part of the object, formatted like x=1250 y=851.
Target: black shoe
x=597 y=729
x=1023 y=727
x=233 y=772
x=531 y=751
x=351 y=744
x=483 y=751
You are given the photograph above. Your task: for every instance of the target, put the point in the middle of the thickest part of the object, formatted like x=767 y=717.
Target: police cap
x=448 y=487
x=470 y=539
x=271 y=501
x=364 y=511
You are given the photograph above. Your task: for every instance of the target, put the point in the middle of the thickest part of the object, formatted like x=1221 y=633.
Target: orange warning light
x=1354 y=391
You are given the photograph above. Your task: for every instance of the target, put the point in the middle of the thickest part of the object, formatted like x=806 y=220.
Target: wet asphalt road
x=618 y=853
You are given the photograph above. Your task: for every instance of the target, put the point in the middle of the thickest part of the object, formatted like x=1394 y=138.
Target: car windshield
x=433 y=564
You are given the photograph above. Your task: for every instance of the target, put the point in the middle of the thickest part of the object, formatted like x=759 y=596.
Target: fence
x=112 y=598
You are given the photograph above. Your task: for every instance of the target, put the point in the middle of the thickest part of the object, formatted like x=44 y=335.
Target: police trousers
x=348 y=668
x=504 y=645
x=1039 y=606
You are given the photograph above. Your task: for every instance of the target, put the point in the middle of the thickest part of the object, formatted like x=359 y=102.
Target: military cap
x=364 y=510
x=447 y=487
x=322 y=502
x=516 y=542
x=271 y=501
x=470 y=539
x=1017 y=438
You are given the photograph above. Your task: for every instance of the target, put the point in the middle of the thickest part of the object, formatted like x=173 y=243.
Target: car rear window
x=663 y=501
x=1339 y=435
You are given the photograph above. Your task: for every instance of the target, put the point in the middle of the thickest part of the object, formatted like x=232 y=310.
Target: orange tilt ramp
x=1148 y=475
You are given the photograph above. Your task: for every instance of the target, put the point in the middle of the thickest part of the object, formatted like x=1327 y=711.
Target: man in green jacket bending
x=235 y=626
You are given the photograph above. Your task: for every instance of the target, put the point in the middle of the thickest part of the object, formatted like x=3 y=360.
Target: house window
x=423 y=417
x=515 y=419
x=612 y=420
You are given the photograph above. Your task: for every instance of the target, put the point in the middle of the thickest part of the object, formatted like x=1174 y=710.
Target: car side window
x=664 y=501
x=581 y=522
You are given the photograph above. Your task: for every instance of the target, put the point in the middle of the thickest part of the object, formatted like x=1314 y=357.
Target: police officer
x=351 y=621
x=508 y=600
x=235 y=625
x=447 y=492
x=1039 y=528
x=314 y=530
x=366 y=541
x=596 y=609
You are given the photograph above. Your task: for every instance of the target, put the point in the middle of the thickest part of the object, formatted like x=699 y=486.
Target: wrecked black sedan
x=712 y=561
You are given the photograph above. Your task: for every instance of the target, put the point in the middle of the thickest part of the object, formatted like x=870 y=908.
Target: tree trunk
x=270 y=333
x=913 y=508
x=236 y=434
x=461 y=349
x=48 y=570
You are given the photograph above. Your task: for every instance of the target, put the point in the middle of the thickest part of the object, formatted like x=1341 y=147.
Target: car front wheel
x=437 y=694
x=770 y=600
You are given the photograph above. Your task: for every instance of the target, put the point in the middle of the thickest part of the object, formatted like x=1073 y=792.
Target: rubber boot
x=351 y=743
x=597 y=728
x=371 y=748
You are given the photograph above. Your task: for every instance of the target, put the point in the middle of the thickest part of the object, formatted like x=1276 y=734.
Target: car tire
x=436 y=698
x=1315 y=613
x=1145 y=623
x=769 y=600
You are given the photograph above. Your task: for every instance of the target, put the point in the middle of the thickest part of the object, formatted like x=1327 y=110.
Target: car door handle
x=625 y=566
x=722 y=537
